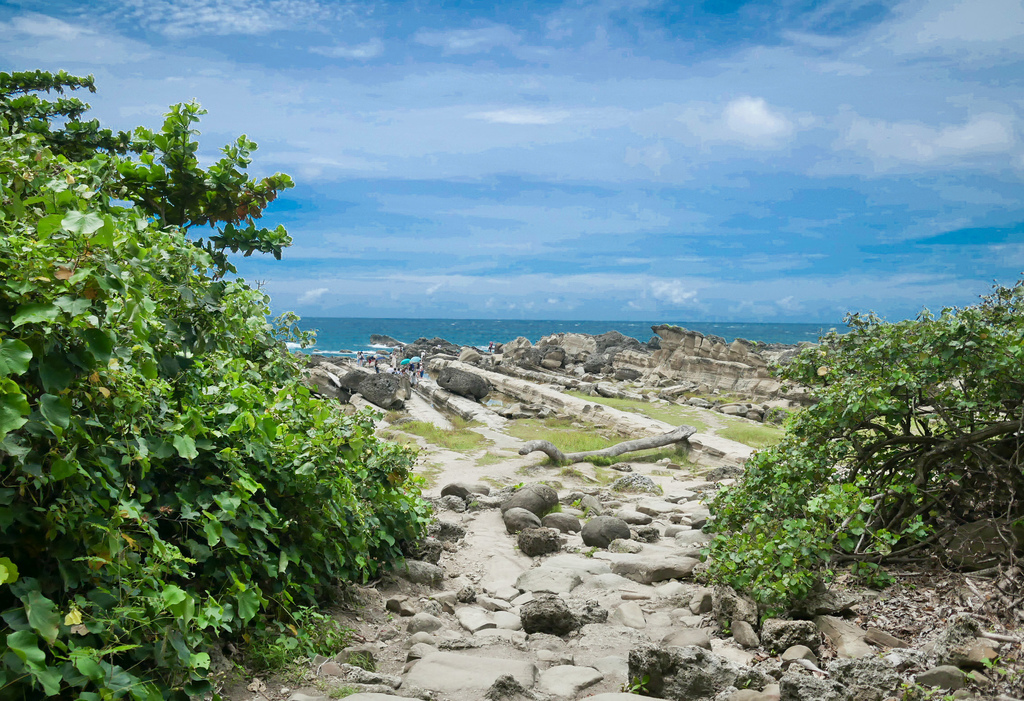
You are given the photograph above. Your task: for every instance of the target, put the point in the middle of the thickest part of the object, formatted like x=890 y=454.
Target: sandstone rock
x=633 y=517
x=701 y=602
x=744 y=634
x=463 y=383
x=423 y=623
x=506 y=620
x=506 y=688
x=550 y=580
x=778 y=634
x=447 y=531
x=427 y=549
x=384 y=390
x=690 y=673
x=454 y=673
x=866 y=677
x=635 y=483
x=566 y=681
x=802 y=687
x=954 y=643
x=686 y=637
x=625 y=546
x=799 y=652
x=473 y=619
x=847 y=637
x=600 y=531
x=943 y=676
x=451 y=503
x=728 y=606
x=629 y=614
x=565 y=523
x=883 y=639
x=419 y=572
x=648 y=569
x=535 y=497
x=401 y=605
x=548 y=614
x=517 y=520
x=470 y=355
x=539 y=541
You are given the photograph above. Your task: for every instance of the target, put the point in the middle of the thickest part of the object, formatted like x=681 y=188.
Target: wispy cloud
x=521 y=116
x=468 y=41
x=673 y=292
x=358 y=52
x=746 y=120
x=311 y=296
x=186 y=18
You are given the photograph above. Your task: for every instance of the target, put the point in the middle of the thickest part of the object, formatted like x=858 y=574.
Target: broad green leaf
x=8 y=571
x=62 y=469
x=200 y=660
x=54 y=410
x=248 y=604
x=24 y=644
x=13 y=412
x=87 y=664
x=42 y=615
x=82 y=222
x=214 y=530
x=14 y=357
x=173 y=594
x=55 y=372
x=50 y=678
x=34 y=314
x=101 y=345
x=48 y=224
x=185 y=446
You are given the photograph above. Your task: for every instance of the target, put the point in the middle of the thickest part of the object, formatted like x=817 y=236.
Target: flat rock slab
x=473 y=619
x=579 y=564
x=566 y=681
x=619 y=696
x=452 y=673
x=648 y=569
x=386 y=697
x=549 y=580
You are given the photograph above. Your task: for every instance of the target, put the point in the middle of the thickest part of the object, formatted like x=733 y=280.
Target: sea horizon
x=343 y=335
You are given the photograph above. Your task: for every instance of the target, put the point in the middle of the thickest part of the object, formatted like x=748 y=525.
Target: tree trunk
x=678 y=435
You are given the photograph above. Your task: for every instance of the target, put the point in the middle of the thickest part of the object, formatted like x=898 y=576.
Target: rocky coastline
x=557 y=582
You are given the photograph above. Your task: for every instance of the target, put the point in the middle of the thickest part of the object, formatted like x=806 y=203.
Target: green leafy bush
x=916 y=430
x=166 y=479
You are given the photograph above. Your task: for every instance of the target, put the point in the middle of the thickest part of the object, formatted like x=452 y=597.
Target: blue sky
x=716 y=161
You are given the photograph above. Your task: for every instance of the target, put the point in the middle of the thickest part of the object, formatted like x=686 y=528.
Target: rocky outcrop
x=463 y=383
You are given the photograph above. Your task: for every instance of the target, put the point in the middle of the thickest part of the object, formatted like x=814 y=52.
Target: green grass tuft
x=754 y=435
x=460 y=439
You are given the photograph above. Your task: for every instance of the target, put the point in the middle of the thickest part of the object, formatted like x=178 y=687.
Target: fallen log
x=678 y=435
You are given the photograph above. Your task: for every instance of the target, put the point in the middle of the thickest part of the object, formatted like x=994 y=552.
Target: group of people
x=390 y=364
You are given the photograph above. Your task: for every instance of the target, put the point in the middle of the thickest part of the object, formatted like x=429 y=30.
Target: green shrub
x=916 y=429
x=166 y=479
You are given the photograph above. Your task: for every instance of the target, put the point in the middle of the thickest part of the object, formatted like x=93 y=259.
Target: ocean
x=345 y=336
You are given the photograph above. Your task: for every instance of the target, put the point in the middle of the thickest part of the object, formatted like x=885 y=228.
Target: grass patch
x=560 y=433
x=754 y=435
x=460 y=439
x=670 y=414
x=489 y=459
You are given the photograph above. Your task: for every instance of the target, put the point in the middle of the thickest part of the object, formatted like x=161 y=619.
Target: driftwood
x=676 y=436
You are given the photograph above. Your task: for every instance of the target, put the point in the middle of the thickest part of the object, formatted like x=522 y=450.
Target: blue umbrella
x=406 y=361
x=415 y=359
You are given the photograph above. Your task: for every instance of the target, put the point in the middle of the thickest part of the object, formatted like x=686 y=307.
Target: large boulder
x=535 y=497
x=548 y=614
x=600 y=531
x=325 y=381
x=383 y=389
x=539 y=541
x=689 y=673
x=778 y=634
x=463 y=383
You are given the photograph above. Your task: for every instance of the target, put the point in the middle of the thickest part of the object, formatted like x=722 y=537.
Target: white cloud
x=38 y=37
x=468 y=41
x=521 y=116
x=673 y=292
x=972 y=27
x=359 y=52
x=750 y=121
x=310 y=296
x=187 y=18
x=892 y=143
x=43 y=27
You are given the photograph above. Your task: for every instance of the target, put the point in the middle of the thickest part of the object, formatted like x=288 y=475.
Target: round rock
x=517 y=519
x=600 y=531
x=536 y=498
x=566 y=523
